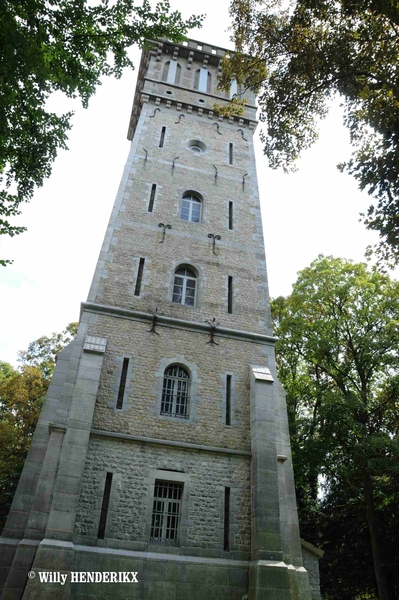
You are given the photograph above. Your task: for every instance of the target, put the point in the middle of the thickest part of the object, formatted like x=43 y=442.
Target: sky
x=313 y=211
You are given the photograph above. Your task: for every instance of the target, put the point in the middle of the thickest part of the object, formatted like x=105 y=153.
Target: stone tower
x=163 y=446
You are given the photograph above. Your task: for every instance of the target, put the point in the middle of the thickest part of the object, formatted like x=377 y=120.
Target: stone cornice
x=124 y=437
x=165 y=321
x=160 y=100
x=216 y=98
x=138 y=439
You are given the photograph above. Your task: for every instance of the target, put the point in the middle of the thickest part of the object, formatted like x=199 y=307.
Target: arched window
x=235 y=90
x=203 y=80
x=184 y=286
x=190 y=208
x=165 y=71
x=171 y=72
x=178 y=72
x=176 y=392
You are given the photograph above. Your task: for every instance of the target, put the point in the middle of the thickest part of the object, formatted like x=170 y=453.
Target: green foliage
x=60 y=46
x=42 y=352
x=6 y=370
x=21 y=398
x=338 y=360
x=22 y=394
x=300 y=56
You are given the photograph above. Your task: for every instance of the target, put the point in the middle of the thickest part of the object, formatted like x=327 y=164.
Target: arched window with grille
x=184 y=286
x=171 y=72
x=176 y=392
x=191 y=207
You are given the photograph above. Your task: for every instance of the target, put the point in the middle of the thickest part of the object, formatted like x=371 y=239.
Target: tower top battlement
x=184 y=76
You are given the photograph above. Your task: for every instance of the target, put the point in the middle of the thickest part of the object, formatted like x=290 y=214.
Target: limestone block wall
x=137 y=233
x=149 y=355
x=205 y=474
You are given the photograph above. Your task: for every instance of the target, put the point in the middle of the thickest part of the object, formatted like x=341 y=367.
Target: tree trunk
x=383 y=588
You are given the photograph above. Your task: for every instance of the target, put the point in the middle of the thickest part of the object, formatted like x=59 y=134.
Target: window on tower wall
x=171 y=72
x=176 y=392
x=235 y=90
x=191 y=208
x=184 y=286
x=166 y=512
x=203 y=80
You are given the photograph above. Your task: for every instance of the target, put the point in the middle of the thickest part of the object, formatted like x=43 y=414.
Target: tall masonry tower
x=162 y=453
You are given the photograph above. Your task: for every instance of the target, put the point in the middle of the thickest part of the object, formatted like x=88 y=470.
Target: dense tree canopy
x=22 y=393
x=66 y=46
x=298 y=55
x=339 y=362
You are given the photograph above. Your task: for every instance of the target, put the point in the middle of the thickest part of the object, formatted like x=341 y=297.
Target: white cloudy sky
x=315 y=210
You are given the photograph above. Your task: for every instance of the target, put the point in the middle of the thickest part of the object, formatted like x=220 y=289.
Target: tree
x=42 y=352
x=21 y=398
x=339 y=361
x=298 y=58
x=6 y=370
x=22 y=395
x=60 y=46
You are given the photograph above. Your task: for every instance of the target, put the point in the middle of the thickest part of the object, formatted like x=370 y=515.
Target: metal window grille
x=190 y=209
x=184 y=287
x=166 y=512
x=175 y=392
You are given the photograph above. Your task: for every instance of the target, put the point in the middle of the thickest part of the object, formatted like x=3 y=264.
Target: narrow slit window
x=230 y=295
x=162 y=138
x=139 y=278
x=230 y=153
x=228 y=399
x=226 y=541
x=105 y=506
x=122 y=384
x=230 y=215
x=152 y=198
